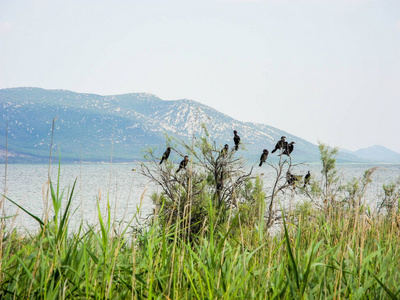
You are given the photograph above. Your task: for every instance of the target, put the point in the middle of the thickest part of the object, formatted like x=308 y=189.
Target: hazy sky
x=320 y=69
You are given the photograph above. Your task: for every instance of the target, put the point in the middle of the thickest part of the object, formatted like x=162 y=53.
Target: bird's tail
x=273 y=151
x=260 y=163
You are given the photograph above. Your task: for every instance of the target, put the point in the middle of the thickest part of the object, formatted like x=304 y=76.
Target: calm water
x=27 y=185
x=124 y=188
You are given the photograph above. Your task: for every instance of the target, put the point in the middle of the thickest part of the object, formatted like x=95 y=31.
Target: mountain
x=91 y=127
x=378 y=154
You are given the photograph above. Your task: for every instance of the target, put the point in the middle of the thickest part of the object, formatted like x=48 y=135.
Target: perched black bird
x=165 y=155
x=280 y=144
x=224 y=151
x=307 y=179
x=291 y=179
x=220 y=184
x=288 y=148
x=263 y=157
x=183 y=163
x=236 y=139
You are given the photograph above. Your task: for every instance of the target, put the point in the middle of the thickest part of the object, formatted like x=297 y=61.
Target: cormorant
x=280 y=144
x=263 y=157
x=183 y=163
x=236 y=139
x=288 y=148
x=224 y=151
x=307 y=179
x=165 y=155
x=291 y=179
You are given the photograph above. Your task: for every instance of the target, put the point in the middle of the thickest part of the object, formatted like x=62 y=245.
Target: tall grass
x=315 y=256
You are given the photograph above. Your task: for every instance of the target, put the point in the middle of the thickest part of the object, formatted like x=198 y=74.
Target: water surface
x=126 y=189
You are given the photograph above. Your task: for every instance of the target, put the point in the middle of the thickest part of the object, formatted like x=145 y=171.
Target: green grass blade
x=66 y=213
x=292 y=262
x=33 y=216
x=387 y=290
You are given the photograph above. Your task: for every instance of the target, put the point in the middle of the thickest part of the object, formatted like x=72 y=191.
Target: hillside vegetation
x=91 y=127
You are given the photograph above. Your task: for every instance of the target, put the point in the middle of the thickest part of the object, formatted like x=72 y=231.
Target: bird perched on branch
x=307 y=179
x=165 y=155
x=236 y=139
x=288 y=148
x=224 y=151
x=263 y=157
x=280 y=144
x=183 y=163
x=292 y=179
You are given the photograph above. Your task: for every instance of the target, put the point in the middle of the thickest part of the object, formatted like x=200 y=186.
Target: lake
x=26 y=184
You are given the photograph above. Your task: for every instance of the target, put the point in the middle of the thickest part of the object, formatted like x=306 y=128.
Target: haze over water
x=26 y=185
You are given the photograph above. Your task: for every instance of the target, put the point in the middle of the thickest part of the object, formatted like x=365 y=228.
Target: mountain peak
x=88 y=126
x=378 y=153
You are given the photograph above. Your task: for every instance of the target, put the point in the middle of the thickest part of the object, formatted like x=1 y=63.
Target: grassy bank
x=315 y=256
x=215 y=234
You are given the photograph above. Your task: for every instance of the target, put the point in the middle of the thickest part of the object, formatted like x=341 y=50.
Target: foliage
x=355 y=189
x=341 y=257
x=329 y=173
x=231 y=252
x=391 y=197
x=212 y=176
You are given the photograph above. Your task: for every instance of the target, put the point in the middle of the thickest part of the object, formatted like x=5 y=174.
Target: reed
x=322 y=249
x=314 y=255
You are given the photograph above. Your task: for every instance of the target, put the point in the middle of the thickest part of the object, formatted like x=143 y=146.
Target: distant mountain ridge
x=378 y=153
x=91 y=127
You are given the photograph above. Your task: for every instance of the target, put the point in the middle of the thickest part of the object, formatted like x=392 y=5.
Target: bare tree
x=284 y=179
x=213 y=173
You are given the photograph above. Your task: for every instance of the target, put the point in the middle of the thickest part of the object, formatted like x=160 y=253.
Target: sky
x=323 y=70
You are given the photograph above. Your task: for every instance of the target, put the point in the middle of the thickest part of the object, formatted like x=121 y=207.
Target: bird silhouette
x=165 y=155
x=224 y=151
x=280 y=144
x=292 y=179
x=183 y=163
x=263 y=157
x=236 y=139
x=307 y=179
x=288 y=148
